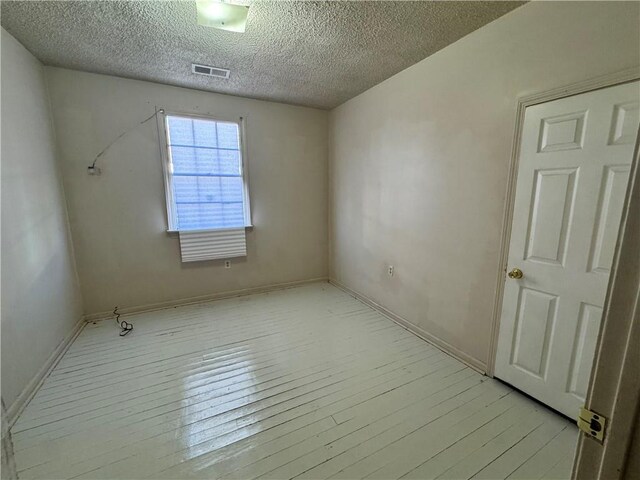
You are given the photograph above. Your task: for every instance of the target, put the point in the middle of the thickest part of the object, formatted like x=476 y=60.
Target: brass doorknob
x=515 y=273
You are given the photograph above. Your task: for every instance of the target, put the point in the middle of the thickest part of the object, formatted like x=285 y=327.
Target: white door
x=572 y=175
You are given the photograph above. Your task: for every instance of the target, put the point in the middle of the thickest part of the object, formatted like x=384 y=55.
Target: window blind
x=212 y=244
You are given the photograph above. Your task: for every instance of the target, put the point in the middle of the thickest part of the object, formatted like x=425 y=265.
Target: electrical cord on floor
x=125 y=326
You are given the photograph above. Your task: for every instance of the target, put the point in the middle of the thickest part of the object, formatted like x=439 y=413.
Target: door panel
x=608 y=217
x=534 y=323
x=550 y=215
x=564 y=132
x=625 y=124
x=584 y=347
x=572 y=177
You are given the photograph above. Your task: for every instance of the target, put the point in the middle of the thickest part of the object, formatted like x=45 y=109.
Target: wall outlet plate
x=390 y=270
x=227 y=264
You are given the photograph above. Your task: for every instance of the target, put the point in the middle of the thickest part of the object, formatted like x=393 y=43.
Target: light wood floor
x=306 y=382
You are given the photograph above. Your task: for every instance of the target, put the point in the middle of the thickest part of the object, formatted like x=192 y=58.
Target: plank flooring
x=306 y=382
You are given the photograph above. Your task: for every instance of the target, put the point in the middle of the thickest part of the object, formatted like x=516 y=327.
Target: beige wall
x=40 y=293
x=118 y=219
x=418 y=164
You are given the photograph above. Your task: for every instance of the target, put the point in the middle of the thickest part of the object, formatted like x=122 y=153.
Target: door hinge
x=591 y=423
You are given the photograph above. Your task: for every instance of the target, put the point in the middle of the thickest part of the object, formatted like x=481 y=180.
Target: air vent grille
x=210 y=71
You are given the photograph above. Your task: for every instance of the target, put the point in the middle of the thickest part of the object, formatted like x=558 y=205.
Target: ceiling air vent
x=210 y=71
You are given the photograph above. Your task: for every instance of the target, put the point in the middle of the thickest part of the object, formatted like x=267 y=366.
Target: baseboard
x=16 y=408
x=94 y=317
x=419 y=332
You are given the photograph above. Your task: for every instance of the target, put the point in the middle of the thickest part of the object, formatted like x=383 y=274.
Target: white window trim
x=163 y=134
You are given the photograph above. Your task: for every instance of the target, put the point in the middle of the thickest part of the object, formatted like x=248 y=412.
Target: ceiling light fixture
x=222 y=15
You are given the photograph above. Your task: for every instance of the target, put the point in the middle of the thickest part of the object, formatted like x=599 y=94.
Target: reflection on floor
x=306 y=382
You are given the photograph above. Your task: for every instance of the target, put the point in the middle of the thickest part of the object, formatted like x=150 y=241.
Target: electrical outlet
x=227 y=264
x=390 y=270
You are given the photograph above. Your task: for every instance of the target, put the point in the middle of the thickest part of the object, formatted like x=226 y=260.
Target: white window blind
x=198 y=245
x=206 y=186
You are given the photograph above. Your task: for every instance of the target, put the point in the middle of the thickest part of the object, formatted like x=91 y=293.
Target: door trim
x=618 y=78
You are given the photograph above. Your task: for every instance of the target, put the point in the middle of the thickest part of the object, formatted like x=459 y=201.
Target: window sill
x=176 y=232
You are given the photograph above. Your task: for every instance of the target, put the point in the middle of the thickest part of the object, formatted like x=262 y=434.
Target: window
x=205 y=179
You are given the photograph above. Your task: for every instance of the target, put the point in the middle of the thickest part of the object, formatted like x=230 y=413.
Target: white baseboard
x=419 y=332
x=16 y=408
x=94 y=317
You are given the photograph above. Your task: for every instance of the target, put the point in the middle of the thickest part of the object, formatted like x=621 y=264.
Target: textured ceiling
x=317 y=54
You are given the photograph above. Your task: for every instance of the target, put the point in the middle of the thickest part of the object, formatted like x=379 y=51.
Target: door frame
x=597 y=83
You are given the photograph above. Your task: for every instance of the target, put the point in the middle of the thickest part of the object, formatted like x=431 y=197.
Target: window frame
x=167 y=166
